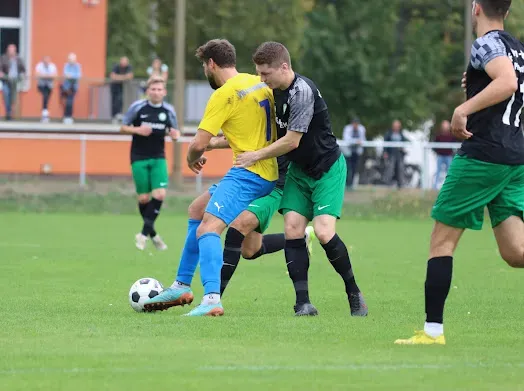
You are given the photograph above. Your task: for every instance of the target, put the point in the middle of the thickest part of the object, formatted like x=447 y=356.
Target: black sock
x=232 y=250
x=297 y=261
x=337 y=253
x=150 y=215
x=143 y=208
x=438 y=282
x=271 y=243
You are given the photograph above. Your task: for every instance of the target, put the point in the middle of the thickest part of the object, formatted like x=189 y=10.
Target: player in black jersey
x=488 y=170
x=315 y=183
x=149 y=121
x=245 y=235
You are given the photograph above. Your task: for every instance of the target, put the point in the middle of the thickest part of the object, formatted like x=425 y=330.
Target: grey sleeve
x=171 y=113
x=485 y=49
x=301 y=109
x=130 y=115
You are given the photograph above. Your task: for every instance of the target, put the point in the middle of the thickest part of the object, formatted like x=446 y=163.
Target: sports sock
x=232 y=250
x=150 y=215
x=297 y=261
x=189 y=258
x=212 y=298
x=338 y=256
x=271 y=243
x=211 y=259
x=434 y=329
x=142 y=208
x=438 y=282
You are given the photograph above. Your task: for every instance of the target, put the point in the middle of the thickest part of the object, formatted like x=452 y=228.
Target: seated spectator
x=68 y=89
x=158 y=69
x=12 y=71
x=46 y=73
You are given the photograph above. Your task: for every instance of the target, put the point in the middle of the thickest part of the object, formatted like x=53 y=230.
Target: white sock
x=434 y=329
x=213 y=298
x=177 y=284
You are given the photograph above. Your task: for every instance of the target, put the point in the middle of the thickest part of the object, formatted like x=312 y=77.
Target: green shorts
x=471 y=185
x=264 y=208
x=150 y=174
x=315 y=197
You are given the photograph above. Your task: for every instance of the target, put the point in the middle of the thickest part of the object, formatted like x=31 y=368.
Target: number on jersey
x=265 y=105
x=509 y=108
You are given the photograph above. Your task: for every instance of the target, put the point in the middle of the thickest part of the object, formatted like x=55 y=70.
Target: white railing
x=423 y=149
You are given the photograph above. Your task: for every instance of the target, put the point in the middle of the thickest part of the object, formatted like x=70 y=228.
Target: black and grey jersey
x=160 y=118
x=301 y=108
x=497 y=134
x=283 y=164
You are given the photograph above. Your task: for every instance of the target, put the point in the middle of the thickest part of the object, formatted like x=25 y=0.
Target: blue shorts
x=233 y=194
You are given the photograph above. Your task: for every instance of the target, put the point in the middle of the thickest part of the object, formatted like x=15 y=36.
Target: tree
x=128 y=33
x=245 y=26
x=382 y=62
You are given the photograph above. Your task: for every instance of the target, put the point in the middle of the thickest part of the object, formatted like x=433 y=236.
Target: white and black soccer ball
x=143 y=289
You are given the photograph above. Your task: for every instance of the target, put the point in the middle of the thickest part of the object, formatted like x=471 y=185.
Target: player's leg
x=297 y=208
x=506 y=212
x=328 y=200
x=159 y=183
x=263 y=209
x=239 y=231
x=179 y=293
x=233 y=195
x=140 y=171
x=469 y=186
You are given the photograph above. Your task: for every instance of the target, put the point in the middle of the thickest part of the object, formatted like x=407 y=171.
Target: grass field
x=66 y=324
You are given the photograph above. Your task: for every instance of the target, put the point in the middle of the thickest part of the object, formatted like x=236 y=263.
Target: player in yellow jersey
x=242 y=107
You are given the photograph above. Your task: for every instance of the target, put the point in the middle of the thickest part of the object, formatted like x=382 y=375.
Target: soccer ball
x=143 y=289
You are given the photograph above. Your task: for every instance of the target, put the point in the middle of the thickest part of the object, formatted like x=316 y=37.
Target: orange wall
x=58 y=28
x=102 y=157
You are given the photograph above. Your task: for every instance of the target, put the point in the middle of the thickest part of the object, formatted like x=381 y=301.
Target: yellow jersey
x=244 y=109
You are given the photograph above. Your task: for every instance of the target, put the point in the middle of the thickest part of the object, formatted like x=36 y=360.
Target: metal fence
x=420 y=169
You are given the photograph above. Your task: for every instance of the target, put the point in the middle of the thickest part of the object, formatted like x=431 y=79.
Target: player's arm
x=504 y=84
x=127 y=122
x=218 y=110
x=172 y=123
x=302 y=107
x=218 y=142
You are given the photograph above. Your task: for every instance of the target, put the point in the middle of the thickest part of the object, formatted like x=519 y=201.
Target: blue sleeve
x=132 y=112
x=171 y=115
x=485 y=49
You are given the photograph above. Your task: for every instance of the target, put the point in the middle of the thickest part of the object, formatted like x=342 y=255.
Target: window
x=9 y=36
x=15 y=27
x=10 y=9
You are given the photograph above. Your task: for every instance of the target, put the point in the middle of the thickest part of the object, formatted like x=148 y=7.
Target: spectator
x=444 y=155
x=72 y=75
x=121 y=73
x=158 y=69
x=355 y=134
x=46 y=73
x=12 y=71
x=394 y=156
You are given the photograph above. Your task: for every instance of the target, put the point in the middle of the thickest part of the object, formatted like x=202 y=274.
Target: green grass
x=65 y=322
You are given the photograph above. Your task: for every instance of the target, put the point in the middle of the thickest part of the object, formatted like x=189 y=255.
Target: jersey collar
x=153 y=105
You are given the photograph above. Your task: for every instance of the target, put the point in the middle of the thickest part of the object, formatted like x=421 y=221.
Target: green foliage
x=379 y=60
x=382 y=62
x=128 y=33
x=246 y=27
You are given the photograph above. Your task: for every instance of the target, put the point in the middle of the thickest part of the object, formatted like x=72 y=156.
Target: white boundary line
x=264 y=368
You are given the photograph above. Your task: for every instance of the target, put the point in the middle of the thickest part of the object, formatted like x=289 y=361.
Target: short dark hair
x=495 y=8
x=273 y=54
x=221 y=51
